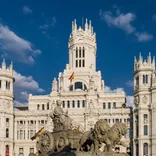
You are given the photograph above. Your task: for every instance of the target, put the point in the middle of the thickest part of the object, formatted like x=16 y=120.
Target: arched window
x=28 y=134
x=83 y=52
x=63 y=104
x=0 y=84
x=137 y=80
x=68 y=104
x=145 y=149
x=78 y=103
x=144 y=80
x=7 y=133
x=17 y=135
x=76 y=52
x=73 y=104
x=145 y=116
x=80 y=52
x=38 y=107
x=78 y=85
x=42 y=106
x=104 y=106
x=7 y=150
x=48 y=106
x=145 y=130
x=7 y=85
x=109 y=105
x=21 y=134
x=114 y=105
x=117 y=120
x=83 y=103
x=24 y=134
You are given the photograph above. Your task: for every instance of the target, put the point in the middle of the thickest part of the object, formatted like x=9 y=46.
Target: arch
x=79 y=52
x=68 y=104
x=83 y=54
x=83 y=103
x=78 y=85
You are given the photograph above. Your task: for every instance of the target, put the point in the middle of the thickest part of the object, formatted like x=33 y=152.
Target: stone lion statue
x=113 y=136
x=92 y=138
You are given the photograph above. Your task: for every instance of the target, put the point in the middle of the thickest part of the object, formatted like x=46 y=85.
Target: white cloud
x=122 y=21
x=143 y=37
x=130 y=100
x=154 y=17
x=130 y=83
x=109 y=90
x=14 y=47
x=23 y=86
x=27 y=10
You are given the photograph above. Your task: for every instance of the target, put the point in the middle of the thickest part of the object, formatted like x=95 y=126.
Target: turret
x=82 y=47
x=143 y=69
x=6 y=108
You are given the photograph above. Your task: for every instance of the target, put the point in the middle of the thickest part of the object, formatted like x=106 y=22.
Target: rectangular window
x=83 y=63
x=109 y=105
x=104 y=106
x=79 y=63
x=76 y=63
x=31 y=150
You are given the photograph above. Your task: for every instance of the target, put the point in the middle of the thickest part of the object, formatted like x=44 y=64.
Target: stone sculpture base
x=70 y=153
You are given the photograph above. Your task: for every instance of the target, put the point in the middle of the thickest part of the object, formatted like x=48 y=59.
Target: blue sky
x=34 y=35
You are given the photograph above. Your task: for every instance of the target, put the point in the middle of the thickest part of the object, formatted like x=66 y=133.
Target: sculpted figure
x=113 y=136
x=93 y=137
x=54 y=85
x=60 y=119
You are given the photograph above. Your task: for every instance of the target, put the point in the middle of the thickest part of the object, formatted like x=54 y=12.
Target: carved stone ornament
x=136 y=100
x=54 y=85
x=145 y=99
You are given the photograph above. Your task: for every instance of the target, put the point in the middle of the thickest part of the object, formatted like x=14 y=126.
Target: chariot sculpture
x=65 y=137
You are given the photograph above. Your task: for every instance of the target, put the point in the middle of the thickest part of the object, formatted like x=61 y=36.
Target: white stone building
x=84 y=98
x=144 y=109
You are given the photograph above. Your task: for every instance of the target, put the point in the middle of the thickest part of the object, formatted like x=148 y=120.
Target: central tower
x=82 y=47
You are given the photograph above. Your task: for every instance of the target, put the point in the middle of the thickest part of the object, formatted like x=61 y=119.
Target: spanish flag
x=71 y=77
x=36 y=134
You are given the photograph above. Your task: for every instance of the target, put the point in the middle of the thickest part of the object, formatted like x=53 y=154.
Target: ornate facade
x=144 y=113
x=83 y=96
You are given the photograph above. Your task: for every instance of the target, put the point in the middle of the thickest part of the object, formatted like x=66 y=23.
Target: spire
x=3 y=64
x=74 y=25
x=149 y=58
x=140 y=58
x=90 y=26
x=86 y=25
x=135 y=60
x=11 y=65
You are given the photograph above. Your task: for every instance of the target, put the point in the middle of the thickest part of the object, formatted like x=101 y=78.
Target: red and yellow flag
x=36 y=134
x=71 y=77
